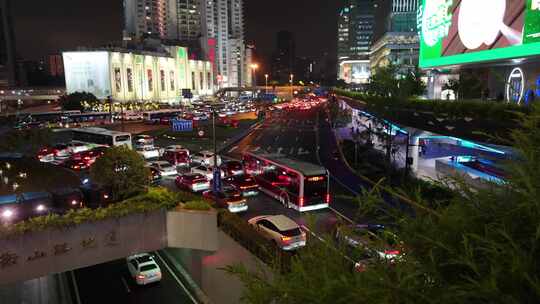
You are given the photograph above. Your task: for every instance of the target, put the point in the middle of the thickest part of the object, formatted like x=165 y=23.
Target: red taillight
x=392 y=252
x=327 y=198
x=285 y=238
x=141 y=277
x=301 y=201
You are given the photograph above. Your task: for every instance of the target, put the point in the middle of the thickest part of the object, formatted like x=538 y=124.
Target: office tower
x=7 y=46
x=355 y=29
x=146 y=18
x=355 y=37
x=283 y=61
x=396 y=39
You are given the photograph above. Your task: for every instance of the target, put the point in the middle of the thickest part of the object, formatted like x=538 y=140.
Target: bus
x=156 y=116
x=90 y=117
x=102 y=137
x=51 y=117
x=296 y=184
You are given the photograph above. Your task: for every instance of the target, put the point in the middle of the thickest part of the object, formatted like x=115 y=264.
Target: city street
x=111 y=283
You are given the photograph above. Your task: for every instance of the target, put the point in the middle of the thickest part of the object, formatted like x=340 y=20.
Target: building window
x=162 y=80
x=117 y=80
x=150 y=80
x=171 y=79
x=129 y=77
x=209 y=81
x=193 y=80
x=201 y=80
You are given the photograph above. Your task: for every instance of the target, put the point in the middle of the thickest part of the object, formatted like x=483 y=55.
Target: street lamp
x=266 y=84
x=291 y=81
x=254 y=68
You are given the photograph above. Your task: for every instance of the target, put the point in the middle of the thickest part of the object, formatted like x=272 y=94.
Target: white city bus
x=102 y=137
x=296 y=184
x=156 y=116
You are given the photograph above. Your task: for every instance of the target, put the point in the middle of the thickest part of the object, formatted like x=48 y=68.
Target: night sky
x=43 y=27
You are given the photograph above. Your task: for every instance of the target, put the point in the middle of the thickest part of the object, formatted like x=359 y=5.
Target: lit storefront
x=137 y=76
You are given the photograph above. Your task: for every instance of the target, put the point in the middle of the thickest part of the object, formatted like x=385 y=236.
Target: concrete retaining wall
x=37 y=254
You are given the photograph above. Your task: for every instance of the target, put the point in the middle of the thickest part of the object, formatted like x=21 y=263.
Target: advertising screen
x=88 y=72
x=457 y=32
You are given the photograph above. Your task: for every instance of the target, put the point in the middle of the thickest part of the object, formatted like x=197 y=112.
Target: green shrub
x=197 y=205
x=154 y=199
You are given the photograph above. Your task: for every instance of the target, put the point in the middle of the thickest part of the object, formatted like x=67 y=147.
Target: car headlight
x=7 y=213
x=40 y=208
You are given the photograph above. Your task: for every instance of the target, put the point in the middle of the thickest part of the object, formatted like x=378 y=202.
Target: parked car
x=76 y=165
x=143 y=141
x=373 y=238
x=164 y=167
x=143 y=269
x=177 y=158
x=244 y=183
x=228 y=198
x=148 y=152
x=205 y=158
x=77 y=147
x=207 y=171
x=46 y=154
x=232 y=167
x=90 y=156
x=194 y=182
x=281 y=230
x=155 y=176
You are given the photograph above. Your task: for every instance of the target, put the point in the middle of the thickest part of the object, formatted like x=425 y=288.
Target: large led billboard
x=455 y=32
x=88 y=72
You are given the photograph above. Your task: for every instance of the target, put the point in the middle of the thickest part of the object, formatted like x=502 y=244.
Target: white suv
x=205 y=158
x=143 y=269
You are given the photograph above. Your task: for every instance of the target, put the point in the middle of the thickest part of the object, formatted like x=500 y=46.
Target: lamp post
x=291 y=81
x=216 y=181
x=266 y=83
x=254 y=67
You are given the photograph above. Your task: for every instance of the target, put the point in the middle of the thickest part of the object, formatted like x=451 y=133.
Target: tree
x=384 y=82
x=481 y=246
x=123 y=170
x=411 y=84
x=77 y=101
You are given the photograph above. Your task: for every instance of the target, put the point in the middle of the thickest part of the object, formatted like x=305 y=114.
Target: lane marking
x=176 y=278
x=279 y=150
x=232 y=149
x=75 y=287
x=256 y=149
x=125 y=284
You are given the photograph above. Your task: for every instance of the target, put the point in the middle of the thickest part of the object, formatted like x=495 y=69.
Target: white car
x=207 y=171
x=200 y=117
x=176 y=148
x=281 y=230
x=164 y=167
x=77 y=147
x=143 y=269
x=205 y=158
x=148 y=152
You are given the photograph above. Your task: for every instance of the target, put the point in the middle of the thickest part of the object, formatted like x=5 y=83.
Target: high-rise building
x=7 y=46
x=283 y=61
x=396 y=39
x=355 y=37
x=146 y=18
x=355 y=29
x=217 y=26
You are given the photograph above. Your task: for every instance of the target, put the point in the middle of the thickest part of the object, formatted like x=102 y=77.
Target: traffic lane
x=111 y=283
